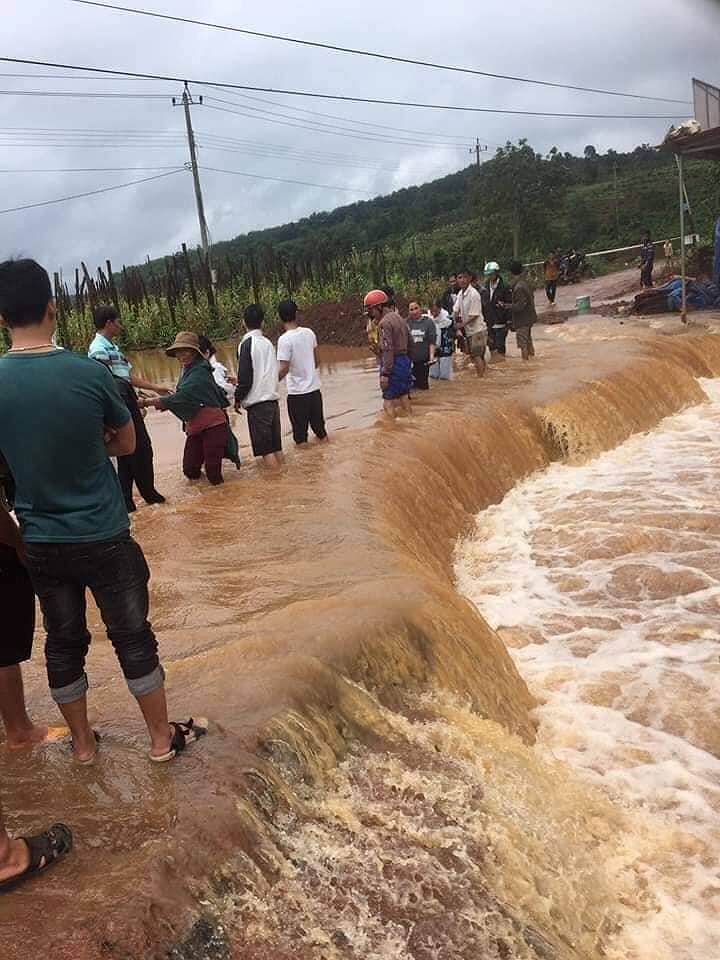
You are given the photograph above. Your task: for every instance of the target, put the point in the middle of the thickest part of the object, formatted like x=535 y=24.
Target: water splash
x=604 y=581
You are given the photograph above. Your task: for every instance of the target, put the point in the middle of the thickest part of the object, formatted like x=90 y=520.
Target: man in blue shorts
x=395 y=350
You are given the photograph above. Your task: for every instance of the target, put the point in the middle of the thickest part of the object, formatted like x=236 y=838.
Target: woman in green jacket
x=200 y=404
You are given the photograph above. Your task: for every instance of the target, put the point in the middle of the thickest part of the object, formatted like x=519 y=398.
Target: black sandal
x=184 y=734
x=45 y=849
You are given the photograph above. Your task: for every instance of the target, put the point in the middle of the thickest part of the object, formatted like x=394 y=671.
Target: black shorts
x=264 y=426
x=306 y=410
x=17 y=608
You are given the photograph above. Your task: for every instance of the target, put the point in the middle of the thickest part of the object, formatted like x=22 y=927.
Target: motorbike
x=574 y=267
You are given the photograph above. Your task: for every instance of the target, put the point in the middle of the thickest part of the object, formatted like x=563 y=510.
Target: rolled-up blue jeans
x=117 y=575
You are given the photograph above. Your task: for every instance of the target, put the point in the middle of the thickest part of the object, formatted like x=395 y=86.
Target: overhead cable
x=321 y=127
x=344 y=97
x=374 y=54
x=92 y=193
x=82 y=170
x=364 y=123
x=304 y=183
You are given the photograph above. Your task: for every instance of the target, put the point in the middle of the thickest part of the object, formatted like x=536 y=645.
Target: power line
x=303 y=183
x=274 y=103
x=92 y=193
x=84 y=95
x=323 y=128
x=258 y=154
x=163 y=96
x=373 y=54
x=343 y=97
x=75 y=135
x=54 y=76
x=94 y=130
x=83 y=170
x=364 y=123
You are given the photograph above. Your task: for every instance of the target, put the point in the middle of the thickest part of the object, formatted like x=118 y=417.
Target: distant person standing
x=444 y=343
x=469 y=320
x=395 y=349
x=669 y=253
x=136 y=468
x=450 y=296
x=424 y=337
x=522 y=307
x=219 y=371
x=297 y=358
x=493 y=293
x=551 y=272
x=647 y=261
x=257 y=388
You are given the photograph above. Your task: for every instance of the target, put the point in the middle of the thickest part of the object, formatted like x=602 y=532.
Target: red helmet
x=376 y=298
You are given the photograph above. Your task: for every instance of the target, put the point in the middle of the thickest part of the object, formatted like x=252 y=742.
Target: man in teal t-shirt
x=61 y=418
x=67 y=488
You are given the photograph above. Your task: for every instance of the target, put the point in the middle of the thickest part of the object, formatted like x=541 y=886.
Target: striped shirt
x=106 y=352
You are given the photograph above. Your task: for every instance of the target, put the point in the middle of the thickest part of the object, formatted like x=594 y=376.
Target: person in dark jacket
x=200 y=404
x=522 y=308
x=494 y=293
x=137 y=467
x=647 y=261
x=447 y=300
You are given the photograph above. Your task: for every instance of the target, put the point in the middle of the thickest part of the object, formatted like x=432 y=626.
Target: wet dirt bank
x=308 y=614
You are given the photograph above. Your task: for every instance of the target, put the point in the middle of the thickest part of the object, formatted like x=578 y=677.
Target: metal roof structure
x=702 y=145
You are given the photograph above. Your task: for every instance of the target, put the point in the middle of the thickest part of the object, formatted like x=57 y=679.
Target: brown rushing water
x=370 y=787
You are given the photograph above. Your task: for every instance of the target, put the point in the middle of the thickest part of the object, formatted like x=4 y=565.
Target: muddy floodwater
x=461 y=674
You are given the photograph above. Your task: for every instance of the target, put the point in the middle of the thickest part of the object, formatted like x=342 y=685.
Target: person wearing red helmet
x=395 y=349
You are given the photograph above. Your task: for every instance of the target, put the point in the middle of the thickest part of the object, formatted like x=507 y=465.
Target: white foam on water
x=604 y=581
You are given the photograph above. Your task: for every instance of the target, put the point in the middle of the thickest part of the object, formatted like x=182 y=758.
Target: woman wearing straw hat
x=200 y=404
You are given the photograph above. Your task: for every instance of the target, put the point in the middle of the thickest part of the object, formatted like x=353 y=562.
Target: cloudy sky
x=346 y=151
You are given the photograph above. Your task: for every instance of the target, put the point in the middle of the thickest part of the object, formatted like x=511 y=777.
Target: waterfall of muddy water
x=370 y=788
x=604 y=581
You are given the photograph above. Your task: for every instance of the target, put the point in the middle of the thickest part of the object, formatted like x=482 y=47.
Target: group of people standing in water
x=65 y=418
x=466 y=318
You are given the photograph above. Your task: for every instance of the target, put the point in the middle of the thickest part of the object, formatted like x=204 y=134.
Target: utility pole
x=187 y=101
x=477 y=150
x=617 y=210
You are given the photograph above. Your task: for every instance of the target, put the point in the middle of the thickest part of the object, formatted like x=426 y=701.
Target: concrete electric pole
x=477 y=150
x=187 y=101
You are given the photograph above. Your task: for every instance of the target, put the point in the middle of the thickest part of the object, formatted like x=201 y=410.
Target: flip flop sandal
x=45 y=849
x=184 y=734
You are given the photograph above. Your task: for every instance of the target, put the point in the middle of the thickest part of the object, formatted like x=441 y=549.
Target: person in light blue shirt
x=136 y=468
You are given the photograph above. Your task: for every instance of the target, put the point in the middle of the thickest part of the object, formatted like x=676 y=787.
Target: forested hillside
x=518 y=197
x=517 y=201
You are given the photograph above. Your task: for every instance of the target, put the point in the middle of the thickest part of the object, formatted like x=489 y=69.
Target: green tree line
x=518 y=201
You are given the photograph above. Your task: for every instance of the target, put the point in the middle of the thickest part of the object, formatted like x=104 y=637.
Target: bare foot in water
x=27 y=737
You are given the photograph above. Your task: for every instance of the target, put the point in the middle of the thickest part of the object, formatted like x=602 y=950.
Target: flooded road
x=371 y=746
x=349 y=384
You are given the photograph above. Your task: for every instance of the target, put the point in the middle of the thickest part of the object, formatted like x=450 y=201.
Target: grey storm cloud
x=650 y=47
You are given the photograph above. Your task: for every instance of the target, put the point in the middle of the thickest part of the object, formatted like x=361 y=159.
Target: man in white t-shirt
x=297 y=356
x=467 y=313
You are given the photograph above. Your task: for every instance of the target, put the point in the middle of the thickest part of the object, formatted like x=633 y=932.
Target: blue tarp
x=702 y=295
